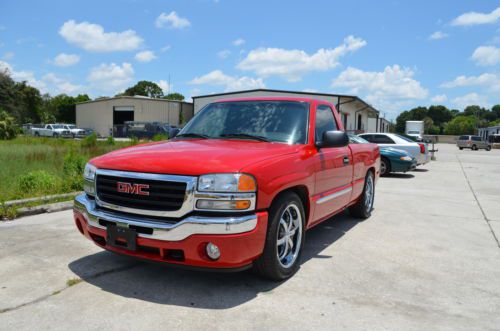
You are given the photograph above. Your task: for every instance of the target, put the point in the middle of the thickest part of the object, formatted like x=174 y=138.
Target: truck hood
x=192 y=156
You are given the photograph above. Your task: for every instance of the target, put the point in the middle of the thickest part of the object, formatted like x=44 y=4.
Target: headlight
x=89 y=172
x=89 y=177
x=227 y=183
x=405 y=158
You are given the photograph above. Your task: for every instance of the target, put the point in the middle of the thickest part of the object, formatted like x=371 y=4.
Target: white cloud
x=292 y=64
x=92 y=37
x=486 y=55
x=238 y=42
x=172 y=21
x=66 y=60
x=61 y=85
x=438 y=35
x=474 y=18
x=389 y=90
x=224 y=54
x=111 y=77
x=8 y=55
x=470 y=99
x=145 y=56
x=165 y=86
x=165 y=48
x=21 y=76
x=440 y=98
x=488 y=80
x=230 y=83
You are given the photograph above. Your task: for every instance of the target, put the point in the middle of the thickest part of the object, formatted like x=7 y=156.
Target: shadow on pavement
x=174 y=286
x=420 y=170
x=399 y=175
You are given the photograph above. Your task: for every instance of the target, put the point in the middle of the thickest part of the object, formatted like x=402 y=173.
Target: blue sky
x=393 y=54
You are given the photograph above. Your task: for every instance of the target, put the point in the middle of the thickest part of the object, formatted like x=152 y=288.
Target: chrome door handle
x=346 y=159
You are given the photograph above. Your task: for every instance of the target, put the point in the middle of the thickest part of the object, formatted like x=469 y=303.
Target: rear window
x=378 y=139
x=463 y=138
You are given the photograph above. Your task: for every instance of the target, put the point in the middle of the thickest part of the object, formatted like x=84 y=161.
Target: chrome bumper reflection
x=164 y=231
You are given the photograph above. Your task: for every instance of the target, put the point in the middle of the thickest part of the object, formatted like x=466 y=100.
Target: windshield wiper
x=193 y=135
x=244 y=135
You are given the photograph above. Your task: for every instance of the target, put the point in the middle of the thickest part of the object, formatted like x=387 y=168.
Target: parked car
x=391 y=159
x=494 y=140
x=419 y=151
x=238 y=187
x=473 y=142
x=75 y=132
x=147 y=130
x=51 y=130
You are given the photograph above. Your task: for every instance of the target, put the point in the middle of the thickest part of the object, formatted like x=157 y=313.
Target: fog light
x=213 y=251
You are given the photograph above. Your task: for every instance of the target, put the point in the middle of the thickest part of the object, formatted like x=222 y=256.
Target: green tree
x=145 y=88
x=461 y=125
x=174 y=96
x=8 y=127
x=439 y=115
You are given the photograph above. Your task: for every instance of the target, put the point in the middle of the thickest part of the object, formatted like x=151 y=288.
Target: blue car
x=391 y=159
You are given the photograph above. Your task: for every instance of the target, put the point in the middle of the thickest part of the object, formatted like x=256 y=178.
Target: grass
x=32 y=167
x=73 y=281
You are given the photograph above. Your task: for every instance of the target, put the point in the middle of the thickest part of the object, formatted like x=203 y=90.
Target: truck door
x=334 y=169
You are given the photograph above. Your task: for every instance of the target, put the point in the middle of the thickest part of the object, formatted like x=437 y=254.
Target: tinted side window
x=368 y=137
x=463 y=138
x=324 y=121
x=382 y=139
x=476 y=138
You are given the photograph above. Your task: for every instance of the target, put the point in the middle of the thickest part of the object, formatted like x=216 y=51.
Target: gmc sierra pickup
x=237 y=187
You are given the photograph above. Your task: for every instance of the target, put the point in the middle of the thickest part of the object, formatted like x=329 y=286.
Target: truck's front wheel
x=284 y=240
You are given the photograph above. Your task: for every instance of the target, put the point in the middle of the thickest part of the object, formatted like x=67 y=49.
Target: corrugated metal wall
x=98 y=115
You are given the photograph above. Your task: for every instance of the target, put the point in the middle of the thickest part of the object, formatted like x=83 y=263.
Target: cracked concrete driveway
x=428 y=258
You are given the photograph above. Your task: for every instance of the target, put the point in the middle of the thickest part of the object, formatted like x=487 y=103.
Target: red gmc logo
x=139 y=189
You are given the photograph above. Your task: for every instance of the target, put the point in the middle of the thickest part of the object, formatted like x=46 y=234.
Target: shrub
x=8 y=127
x=110 y=141
x=73 y=166
x=159 y=137
x=90 y=141
x=40 y=182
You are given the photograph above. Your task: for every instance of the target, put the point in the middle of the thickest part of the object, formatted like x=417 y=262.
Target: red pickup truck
x=237 y=187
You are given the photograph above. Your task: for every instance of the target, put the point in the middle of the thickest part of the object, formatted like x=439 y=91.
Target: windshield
x=57 y=126
x=71 y=126
x=413 y=132
x=276 y=121
x=357 y=140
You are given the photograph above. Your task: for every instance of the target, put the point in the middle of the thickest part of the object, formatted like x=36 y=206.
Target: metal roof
x=136 y=97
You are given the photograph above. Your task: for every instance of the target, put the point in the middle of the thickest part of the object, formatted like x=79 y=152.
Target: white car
x=418 y=150
x=50 y=130
x=75 y=132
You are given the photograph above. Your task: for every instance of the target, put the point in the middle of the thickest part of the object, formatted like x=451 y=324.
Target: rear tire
x=385 y=166
x=363 y=207
x=37 y=134
x=460 y=148
x=284 y=240
x=474 y=147
x=488 y=148
x=55 y=135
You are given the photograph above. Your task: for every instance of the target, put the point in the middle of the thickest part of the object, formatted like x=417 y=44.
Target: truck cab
x=238 y=187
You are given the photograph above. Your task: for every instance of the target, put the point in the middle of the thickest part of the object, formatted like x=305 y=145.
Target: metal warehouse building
x=103 y=115
x=357 y=115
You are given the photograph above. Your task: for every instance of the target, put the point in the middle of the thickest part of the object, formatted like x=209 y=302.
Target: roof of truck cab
x=266 y=98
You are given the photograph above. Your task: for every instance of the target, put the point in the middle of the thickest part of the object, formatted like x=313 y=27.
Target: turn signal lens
x=223 y=204
x=246 y=183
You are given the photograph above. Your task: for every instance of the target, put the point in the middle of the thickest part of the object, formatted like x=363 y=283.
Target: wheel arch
x=303 y=193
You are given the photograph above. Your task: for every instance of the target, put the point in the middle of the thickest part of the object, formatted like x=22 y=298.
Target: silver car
x=472 y=142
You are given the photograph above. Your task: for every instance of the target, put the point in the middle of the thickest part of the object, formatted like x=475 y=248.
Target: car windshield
x=357 y=140
x=405 y=138
x=275 y=121
x=57 y=126
x=71 y=126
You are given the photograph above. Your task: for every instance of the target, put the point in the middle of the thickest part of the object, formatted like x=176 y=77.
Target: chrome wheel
x=289 y=235
x=369 y=190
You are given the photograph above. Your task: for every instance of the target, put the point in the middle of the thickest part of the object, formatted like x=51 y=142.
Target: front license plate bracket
x=121 y=237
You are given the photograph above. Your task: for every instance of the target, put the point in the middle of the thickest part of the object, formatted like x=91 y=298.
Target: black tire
x=55 y=135
x=363 y=208
x=488 y=148
x=268 y=264
x=474 y=148
x=460 y=148
x=37 y=134
x=385 y=166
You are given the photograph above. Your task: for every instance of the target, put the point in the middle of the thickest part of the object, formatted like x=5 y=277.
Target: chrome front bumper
x=165 y=231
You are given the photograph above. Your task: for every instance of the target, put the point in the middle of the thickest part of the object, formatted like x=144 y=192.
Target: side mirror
x=174 y=132
x=333 y=139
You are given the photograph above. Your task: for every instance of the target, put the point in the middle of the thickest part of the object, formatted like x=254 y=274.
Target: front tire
x=460 y=148
x=363 y=207
x=385 y=166
x=284 y=240
x=474 y=147
x=488 y=148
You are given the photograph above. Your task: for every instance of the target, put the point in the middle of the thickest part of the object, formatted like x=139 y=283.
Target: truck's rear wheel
x=363 y=207
x=284 y=239
x=488 y=148
x=474 y=147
